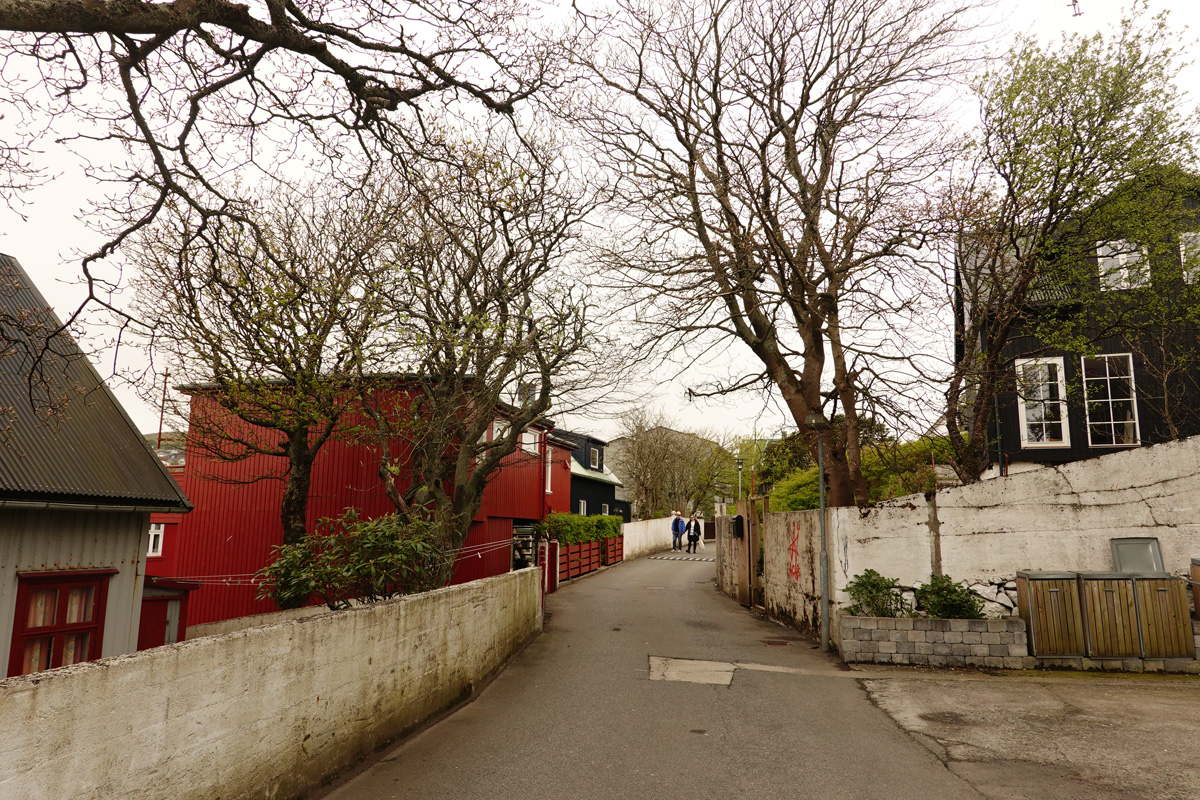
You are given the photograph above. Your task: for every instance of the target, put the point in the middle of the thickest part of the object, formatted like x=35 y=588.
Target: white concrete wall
x=647 y=536
x=267 y=712
x=1057 y=518
x=252 y=621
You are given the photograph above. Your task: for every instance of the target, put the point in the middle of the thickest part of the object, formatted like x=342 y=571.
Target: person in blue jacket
x=677 y=528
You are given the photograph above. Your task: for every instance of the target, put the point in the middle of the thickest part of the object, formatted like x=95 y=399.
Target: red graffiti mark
x=794 y=552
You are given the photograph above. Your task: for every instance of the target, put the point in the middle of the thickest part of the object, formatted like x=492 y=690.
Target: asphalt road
x=647 y=683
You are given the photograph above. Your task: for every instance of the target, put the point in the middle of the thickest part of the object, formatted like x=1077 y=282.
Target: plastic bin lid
x=1116 y=576
x=1035 y=575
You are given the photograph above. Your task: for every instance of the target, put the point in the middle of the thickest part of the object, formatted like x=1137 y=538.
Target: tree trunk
x=293 y=511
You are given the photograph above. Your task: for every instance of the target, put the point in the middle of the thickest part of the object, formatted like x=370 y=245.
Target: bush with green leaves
x=608 y=527
x=945 y=598
x=575 y=529
x=876 y=596
x=348 y=559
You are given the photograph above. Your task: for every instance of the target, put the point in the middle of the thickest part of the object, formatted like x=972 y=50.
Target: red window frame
x=59 y=630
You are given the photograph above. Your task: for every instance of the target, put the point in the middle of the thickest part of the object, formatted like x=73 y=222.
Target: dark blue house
x=593 y=486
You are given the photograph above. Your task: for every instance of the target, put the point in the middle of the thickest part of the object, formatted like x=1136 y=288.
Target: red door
x=152 y=630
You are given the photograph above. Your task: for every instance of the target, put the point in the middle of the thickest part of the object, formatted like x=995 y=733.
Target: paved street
x=578 y=715
x=648 y=683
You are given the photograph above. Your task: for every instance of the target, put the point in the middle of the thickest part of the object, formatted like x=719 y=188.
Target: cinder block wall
x=266 y=712
x=997 y=643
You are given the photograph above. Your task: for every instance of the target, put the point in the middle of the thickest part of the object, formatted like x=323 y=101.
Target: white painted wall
x=266 y=712
x=646 y=536
x=1056 y=518
x=252 y=621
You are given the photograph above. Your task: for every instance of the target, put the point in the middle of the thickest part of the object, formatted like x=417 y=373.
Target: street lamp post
x=819 y=424
x=740 y=463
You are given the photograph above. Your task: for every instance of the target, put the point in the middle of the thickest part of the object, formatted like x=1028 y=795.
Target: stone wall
x=267 y=712
x=995 y=643
x=990 y=643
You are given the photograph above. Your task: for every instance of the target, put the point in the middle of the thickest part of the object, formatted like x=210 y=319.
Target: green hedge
x=574 y=529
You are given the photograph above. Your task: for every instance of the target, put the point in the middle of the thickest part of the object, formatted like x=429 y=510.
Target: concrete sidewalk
x=648 y=683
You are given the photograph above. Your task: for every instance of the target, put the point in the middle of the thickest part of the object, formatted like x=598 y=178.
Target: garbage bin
x=1049 y=604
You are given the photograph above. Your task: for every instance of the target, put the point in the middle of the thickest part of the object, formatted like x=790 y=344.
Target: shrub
x=875 y=596
x=608 y=527
x=574 y=529
x=347 y=559
x=944 y=598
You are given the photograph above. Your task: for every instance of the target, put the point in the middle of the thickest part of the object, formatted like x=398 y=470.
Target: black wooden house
x=593 y=486
x=1136 y=380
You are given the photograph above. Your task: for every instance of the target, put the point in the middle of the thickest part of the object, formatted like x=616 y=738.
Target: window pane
x=1053 y=432
x=1101 y=434
x=79 y=604
x=43 y=603
x=75 y=648
x=37 y=655
x=1118 y=365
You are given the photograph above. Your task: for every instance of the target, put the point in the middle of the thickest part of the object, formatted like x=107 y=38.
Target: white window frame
x=1119 y=262
x=1064 y=416
x=604 y=509
x=594 y=458
x=549 y=465
x=583 y=508
x=1087 y=404
x=1189 y=256
x=157 y=531
x=529 y=442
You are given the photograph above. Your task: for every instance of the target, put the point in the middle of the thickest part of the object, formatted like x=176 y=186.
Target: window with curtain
x=59 y=620
x=1041 y=403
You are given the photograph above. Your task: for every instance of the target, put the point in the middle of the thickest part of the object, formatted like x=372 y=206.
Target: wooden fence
x=1105 y=615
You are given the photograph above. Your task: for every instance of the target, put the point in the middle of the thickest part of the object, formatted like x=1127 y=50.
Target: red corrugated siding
x=516 y=491
x=487 y=551
x=559 y=499
x=235 y=526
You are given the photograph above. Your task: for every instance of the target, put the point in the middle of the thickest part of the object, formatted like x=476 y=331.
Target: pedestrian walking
x=677 y=529
x=694 y=530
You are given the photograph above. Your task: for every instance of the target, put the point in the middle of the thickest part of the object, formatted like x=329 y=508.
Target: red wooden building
x=235 y=524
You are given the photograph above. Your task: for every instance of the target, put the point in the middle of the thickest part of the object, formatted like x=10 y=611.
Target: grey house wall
x=53 y=540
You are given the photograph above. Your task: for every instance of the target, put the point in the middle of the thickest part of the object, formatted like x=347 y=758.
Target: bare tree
x=487 y=329
x=268 y=328
x=669 y=470
x=1072 y=143
x=772 y=157
x=179 y=96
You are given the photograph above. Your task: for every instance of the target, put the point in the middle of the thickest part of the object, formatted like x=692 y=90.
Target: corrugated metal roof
x=88 y=451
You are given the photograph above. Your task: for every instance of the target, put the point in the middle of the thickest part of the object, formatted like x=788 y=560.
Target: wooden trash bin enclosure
x=1105 y=614
x=1196 y=588
x=1049 y=604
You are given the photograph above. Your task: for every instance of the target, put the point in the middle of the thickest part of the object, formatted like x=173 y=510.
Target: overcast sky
x=48 y=243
